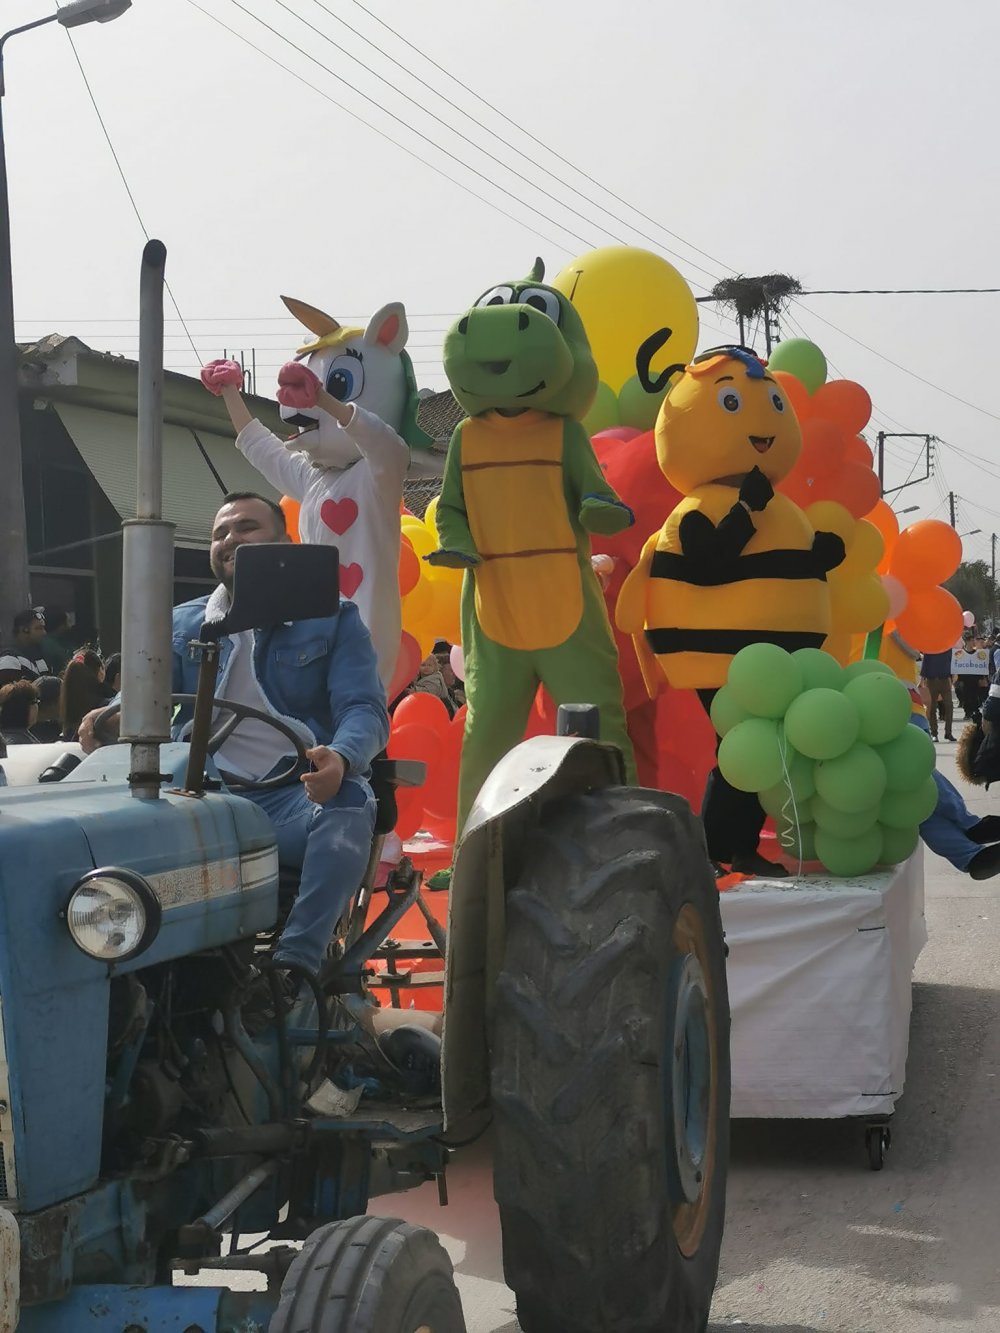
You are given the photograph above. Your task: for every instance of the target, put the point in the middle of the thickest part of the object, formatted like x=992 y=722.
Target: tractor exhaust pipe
x=148 y=556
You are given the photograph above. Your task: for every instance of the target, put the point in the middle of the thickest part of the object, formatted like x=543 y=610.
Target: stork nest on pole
x=750 y=297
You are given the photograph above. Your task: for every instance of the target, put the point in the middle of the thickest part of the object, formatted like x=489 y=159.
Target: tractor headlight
x=112 y=915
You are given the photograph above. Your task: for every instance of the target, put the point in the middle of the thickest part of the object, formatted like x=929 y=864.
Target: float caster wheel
x=877 y=1141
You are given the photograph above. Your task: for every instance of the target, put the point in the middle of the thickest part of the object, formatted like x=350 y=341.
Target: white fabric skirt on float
x=820 y=979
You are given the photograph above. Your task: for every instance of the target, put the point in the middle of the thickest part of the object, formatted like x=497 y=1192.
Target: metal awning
x=191 y=493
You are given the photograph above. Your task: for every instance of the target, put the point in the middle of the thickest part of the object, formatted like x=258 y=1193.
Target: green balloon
x=749 y=756
x=819 y=669
x=822 y=723
x=764 y=679
x=898 y=844
x=800 y=358
x=637 y=407
x=909 y=759
x=795 y=788
x=796 y=840
x=852 y=782
x=908 y=809
x=726 y=712
x=603 y=413
x=841 y=825
x=867 y=666
x=849 y=856
x=883 y=704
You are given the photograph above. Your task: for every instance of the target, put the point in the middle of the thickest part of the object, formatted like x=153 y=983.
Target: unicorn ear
x=388 y=328
x=537 y=271
x=311 y=318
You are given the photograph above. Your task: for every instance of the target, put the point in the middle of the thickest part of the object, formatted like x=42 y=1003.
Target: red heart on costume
x=338 y=515
x=351 y=577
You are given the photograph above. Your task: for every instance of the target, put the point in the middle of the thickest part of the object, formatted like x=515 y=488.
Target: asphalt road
x=815 y=1242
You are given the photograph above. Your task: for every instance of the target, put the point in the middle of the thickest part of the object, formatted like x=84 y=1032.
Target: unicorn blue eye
x=345 y=378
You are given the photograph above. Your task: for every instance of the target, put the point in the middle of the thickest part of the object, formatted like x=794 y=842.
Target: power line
x=374 y=128
x=124 y=180
x=901 y=291
x=534 y=139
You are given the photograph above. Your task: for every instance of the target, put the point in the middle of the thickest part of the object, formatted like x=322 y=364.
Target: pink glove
x=219 y=375
x=297 y=385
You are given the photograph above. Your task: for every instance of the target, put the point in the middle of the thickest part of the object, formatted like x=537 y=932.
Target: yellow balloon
x=625 y=295
x=423 y=540
x=864 y=550
x=430 y=515
x=838 y=646
x=828 y=516
x=415 y=605
x=857 y=604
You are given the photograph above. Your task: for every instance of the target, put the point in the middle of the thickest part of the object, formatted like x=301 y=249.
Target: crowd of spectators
x=47 y=683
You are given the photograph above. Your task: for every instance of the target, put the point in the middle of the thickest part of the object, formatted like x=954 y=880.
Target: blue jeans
x=331 y=843
x=944 y=831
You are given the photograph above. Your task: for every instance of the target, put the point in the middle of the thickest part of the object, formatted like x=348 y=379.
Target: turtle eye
x=729 y=399
x=539 y=299
x=497 y=296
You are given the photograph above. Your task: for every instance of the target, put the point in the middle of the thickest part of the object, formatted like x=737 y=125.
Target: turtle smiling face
x=723 y=417
x=522 y=345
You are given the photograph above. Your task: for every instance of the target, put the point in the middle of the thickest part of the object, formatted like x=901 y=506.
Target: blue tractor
x=161 y=1097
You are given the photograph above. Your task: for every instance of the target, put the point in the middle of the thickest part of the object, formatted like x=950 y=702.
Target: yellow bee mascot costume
x=734 y=564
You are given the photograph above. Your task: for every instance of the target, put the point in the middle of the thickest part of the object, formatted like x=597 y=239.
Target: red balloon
x=857 y=489
x=822 y=448
x=409 y=812
x=409 y=567
x=843 y=402
x=859 y=451
x=444 y=829
x=424 y=710
x=407 y=665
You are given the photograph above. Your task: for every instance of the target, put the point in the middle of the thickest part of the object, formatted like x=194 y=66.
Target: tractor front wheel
x=369 y=1275
x=610 y=1071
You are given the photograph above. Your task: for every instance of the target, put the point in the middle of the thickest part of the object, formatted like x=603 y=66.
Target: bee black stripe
x=727 y=641
x=796 y=565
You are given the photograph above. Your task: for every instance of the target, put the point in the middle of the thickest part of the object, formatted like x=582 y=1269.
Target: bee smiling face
x=724 y=417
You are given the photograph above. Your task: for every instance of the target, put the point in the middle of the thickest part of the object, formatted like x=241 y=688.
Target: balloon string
x=793 y=834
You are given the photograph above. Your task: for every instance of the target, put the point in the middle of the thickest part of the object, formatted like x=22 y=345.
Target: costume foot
x=754 y=864
x=440 y=880
x=987 y=830
x=985 y=864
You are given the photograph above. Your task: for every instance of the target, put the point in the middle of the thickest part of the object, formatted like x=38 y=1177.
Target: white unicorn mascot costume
x=352 y=396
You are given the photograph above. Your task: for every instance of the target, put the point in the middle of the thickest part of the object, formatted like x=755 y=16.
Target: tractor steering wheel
x=238 y=712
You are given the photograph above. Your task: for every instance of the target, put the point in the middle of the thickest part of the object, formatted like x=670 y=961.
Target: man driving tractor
x=321 y=678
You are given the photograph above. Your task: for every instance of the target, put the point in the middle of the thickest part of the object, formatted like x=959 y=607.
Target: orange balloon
x=425 y=711
x=931 y=620
x=927 y=552
x=290 y=508
x=796 y=393
x=822 y=448
x=409 y=567
x=843 y=402
x=888 y=524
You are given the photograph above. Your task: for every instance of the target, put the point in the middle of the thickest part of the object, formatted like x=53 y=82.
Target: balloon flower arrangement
x=830 y=752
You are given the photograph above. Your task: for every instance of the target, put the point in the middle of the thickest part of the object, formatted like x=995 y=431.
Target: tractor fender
x=535 y=772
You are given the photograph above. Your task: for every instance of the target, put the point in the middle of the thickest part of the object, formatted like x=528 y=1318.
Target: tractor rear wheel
x=369 y=1275
x=610 y=1070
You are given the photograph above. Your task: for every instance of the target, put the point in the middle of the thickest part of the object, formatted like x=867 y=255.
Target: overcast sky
x=849 y=143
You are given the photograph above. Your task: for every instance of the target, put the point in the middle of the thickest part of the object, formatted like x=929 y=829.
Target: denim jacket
x=318 y=673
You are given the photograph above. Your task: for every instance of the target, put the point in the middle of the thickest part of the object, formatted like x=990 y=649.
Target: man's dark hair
x=24 y=619
x=279 y=517
x=55 y=619
x=47 y=688
x=16 y=702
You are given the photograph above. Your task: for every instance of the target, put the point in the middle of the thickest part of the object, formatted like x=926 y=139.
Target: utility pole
x=951 y=507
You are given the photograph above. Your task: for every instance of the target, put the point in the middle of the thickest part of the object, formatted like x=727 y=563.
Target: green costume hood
x=521 y=346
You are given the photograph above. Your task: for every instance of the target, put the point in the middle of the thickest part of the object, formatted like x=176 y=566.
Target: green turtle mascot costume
x=522 y=489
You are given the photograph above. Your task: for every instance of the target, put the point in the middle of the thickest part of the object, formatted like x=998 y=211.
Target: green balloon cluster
x=830 y=753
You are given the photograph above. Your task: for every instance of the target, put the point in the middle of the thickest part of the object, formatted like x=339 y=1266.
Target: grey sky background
x=850 y=143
